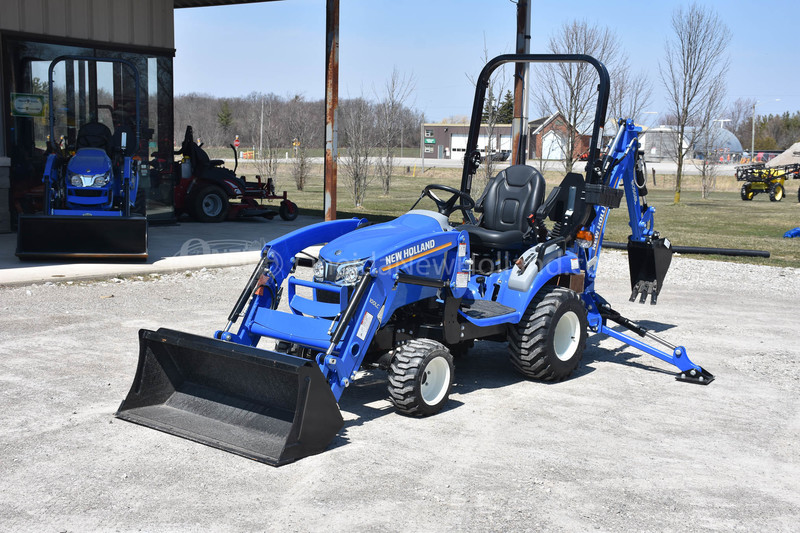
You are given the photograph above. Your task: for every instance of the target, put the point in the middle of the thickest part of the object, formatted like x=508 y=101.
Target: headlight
x=350 y=274
x=87 y=180
x=342 y=274
x=319 y=270
x=101 y=180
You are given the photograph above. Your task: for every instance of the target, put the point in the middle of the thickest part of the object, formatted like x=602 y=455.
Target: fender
x=519 y=300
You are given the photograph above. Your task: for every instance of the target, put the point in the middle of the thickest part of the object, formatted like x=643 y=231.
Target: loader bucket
x=267 y=406
x=648 y=263
x=81 y=237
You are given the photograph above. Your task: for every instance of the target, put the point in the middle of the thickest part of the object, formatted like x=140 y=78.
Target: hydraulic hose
x=701 y=250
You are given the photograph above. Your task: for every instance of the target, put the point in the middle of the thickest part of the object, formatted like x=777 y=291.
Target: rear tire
x=420 y=377
x=747 y=193
x=776 y=192
x=288 y=211
x=210 y=204
x=548 y=342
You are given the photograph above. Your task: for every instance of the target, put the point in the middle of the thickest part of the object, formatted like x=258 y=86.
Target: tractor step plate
x=481 y=309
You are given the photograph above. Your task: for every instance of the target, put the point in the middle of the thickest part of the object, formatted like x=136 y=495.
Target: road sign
x=236 y=142
x=430 y=141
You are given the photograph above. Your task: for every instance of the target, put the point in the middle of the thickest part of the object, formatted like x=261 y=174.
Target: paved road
x=663 y=167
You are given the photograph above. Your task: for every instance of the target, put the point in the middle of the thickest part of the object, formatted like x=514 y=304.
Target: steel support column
x=519 y=125
x=331 y=104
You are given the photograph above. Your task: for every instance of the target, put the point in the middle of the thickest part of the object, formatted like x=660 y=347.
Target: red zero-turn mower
x=209 y=192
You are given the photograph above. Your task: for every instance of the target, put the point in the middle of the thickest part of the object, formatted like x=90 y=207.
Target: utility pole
x=519 y=124
x=753 y=134
x=261 y=132
x=331 y=105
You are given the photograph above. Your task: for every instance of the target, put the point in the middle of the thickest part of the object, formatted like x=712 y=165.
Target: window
x=428 y=133
x=86 y=91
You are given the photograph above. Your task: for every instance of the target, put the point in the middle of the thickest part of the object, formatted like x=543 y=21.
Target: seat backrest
x=94 y=135
x=510 y=197
x=567 y=207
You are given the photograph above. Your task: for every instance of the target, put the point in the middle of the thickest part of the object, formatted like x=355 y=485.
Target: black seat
x=94 y=135
x=567 y=207
x=508 y=200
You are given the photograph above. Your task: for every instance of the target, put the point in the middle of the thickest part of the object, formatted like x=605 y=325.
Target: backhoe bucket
x=267 y=406
x=648 y=263
x=82 y=237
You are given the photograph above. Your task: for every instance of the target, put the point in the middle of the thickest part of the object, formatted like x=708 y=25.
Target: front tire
x=288 y=211
x=776 y=192
x=548 y=342
x=210 y=204
x=420 y=377
x=747 y=193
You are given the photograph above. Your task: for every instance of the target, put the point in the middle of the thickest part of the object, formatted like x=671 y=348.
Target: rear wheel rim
x=566 y=336
x=212 y=205
x=435 y=378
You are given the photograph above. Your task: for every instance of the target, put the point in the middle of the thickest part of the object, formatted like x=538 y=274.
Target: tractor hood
x=382 y=239
x=89 y=161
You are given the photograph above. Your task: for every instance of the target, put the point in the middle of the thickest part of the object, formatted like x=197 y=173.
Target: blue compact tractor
x=406 y=295
x=90 y=187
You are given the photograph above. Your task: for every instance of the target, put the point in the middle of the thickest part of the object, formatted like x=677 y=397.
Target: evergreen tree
x=505 y=112
x=225 y=118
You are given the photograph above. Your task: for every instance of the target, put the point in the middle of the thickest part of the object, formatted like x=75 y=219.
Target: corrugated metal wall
x=134 y=22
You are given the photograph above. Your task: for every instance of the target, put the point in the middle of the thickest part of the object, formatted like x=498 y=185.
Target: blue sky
x=279 y=47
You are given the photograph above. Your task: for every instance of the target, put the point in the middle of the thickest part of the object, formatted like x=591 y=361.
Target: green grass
x=722 y=221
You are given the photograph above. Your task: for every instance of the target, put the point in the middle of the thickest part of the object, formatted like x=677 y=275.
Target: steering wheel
x=447 y=207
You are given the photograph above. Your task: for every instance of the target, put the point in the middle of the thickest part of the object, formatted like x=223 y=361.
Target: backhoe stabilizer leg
x=689 y=372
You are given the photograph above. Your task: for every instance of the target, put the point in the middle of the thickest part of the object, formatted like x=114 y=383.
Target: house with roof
x=548 y=137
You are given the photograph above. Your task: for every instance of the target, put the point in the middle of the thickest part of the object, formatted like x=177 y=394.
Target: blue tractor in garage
x=91 y=209
x=408 y=294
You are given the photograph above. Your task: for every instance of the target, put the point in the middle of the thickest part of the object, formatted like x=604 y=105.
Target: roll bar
x=603 y=89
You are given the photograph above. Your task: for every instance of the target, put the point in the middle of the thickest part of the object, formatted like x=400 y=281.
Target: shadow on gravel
x=622 y=353
x=485 y=366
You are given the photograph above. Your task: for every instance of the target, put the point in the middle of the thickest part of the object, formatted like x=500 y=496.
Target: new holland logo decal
x=411 y=253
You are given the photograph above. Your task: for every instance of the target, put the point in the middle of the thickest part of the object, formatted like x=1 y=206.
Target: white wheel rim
x=212 y=205
x=435 y=379
x=567 y=335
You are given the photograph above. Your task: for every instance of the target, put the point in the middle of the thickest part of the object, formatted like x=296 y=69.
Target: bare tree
x=695 y=60
x=570 y=88
x=740 y=113
x=489 y=140
x=705 y=137
x=264 y=126
x=199 y=111
x=357 y=123
x=303 y=132
x=390 y=124
x=630 y=93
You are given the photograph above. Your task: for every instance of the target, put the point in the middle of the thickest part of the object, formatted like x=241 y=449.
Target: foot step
x=485 y=309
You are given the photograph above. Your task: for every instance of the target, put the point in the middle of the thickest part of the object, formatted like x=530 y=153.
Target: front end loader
x=409 y=294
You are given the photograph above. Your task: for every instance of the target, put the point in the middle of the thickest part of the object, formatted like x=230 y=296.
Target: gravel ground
x=621 y=446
